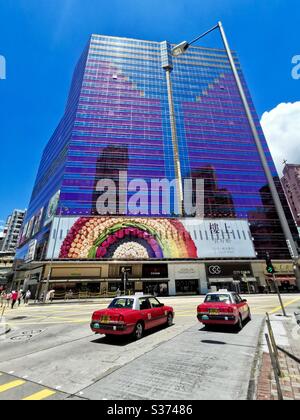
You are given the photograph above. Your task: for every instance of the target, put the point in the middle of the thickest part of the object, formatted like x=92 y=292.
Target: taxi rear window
x=218 y=299
x=121 y=303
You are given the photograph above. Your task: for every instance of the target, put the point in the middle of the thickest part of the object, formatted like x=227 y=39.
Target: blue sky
x=42 y=40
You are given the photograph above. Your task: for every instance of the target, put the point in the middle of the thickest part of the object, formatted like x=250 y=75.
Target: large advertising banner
x=221 y=238
x=129 y=238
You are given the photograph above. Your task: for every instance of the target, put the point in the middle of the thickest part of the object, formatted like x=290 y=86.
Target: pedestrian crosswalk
x=12 y=389
x=10 y=385
x=42 y=395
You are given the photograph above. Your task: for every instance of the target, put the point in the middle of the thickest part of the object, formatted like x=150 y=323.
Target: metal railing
x=273 y=351
x=78 y=295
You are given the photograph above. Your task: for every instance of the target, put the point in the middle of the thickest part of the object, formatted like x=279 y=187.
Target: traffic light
x=270 y=267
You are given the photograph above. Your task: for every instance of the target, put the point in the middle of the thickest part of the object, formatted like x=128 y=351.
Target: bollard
x=3 y=310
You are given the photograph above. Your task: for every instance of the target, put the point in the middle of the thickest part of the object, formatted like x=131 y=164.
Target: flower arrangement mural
x=127 y=238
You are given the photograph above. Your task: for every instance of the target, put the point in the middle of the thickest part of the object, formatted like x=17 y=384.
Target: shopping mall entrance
x=156 y=288
x=187 y=287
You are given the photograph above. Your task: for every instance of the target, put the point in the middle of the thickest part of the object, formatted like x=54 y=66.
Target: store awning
x=221 y=280
x=231 y=280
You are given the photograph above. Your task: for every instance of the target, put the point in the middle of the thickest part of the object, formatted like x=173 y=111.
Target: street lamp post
x=181 y=49
x=180 y=197
x=125 y=279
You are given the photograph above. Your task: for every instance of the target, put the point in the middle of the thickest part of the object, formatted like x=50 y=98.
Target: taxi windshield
x=121 y=303
x=217 y=299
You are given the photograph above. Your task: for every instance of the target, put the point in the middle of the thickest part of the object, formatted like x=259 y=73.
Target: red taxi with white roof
x=224 y=308
x=132 y=315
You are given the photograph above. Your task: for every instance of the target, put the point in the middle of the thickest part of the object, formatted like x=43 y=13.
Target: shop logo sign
x=296 y=68
x=2 y=68
x=215 y=270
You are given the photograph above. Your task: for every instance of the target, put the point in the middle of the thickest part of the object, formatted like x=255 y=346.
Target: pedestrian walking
x=14 y=298
x=27 y=297
x=8 y=298
x=20 y=292
x=3 y=298
x=69 y=294
x=52 y=295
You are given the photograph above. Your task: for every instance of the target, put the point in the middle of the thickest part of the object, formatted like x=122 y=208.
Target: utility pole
x=271 y=270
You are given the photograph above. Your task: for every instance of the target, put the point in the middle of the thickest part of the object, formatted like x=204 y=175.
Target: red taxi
x=131 y=315
x=224 y=308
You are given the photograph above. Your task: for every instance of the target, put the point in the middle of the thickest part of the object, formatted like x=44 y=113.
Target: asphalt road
x=51 y=354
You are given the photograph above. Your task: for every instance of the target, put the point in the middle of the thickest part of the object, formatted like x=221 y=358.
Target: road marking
x=285 y=305
x=40 y=395
x=11 y=385
x=79 y=321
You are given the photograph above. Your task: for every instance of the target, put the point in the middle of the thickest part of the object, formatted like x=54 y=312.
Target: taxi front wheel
x=169 y=320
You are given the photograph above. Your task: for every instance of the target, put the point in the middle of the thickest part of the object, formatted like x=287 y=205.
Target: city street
x=51 y=353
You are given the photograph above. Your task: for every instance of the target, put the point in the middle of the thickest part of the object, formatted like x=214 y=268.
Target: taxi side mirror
x=244 y=300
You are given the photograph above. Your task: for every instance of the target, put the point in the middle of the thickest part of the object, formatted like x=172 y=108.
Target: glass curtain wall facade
x=118 y=119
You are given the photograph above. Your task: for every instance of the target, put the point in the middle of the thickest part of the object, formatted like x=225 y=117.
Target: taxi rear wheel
x=239 y=325
x=138 y=331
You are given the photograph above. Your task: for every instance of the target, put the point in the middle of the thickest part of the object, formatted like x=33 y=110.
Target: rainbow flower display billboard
x=138 y=238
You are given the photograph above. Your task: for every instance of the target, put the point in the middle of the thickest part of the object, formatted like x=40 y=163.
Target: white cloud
x=282 y=129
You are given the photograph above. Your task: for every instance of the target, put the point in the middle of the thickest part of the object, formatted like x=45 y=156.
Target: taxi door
x=158 y=312
x=242 y=306
x=146 y=313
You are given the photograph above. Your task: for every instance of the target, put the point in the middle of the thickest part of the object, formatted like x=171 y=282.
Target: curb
x=253 y=382
x=70 y=302
x=5 y=331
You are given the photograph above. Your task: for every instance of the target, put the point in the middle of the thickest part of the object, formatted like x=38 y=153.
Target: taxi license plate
x=105 y=320
x=214 y=311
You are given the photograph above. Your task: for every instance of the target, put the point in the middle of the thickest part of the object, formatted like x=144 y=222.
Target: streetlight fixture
x=183 y=46
x=181 y=49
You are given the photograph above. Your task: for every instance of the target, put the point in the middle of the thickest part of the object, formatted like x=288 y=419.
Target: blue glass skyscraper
x=121 y=116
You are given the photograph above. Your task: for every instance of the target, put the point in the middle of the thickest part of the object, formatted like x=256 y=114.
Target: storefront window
x=186 y=286
x=113 y=287
x=156 y=288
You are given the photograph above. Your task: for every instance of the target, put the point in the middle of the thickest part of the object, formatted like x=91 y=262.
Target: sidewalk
x=71 y=301
x=107 y=300
x=287 y=337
